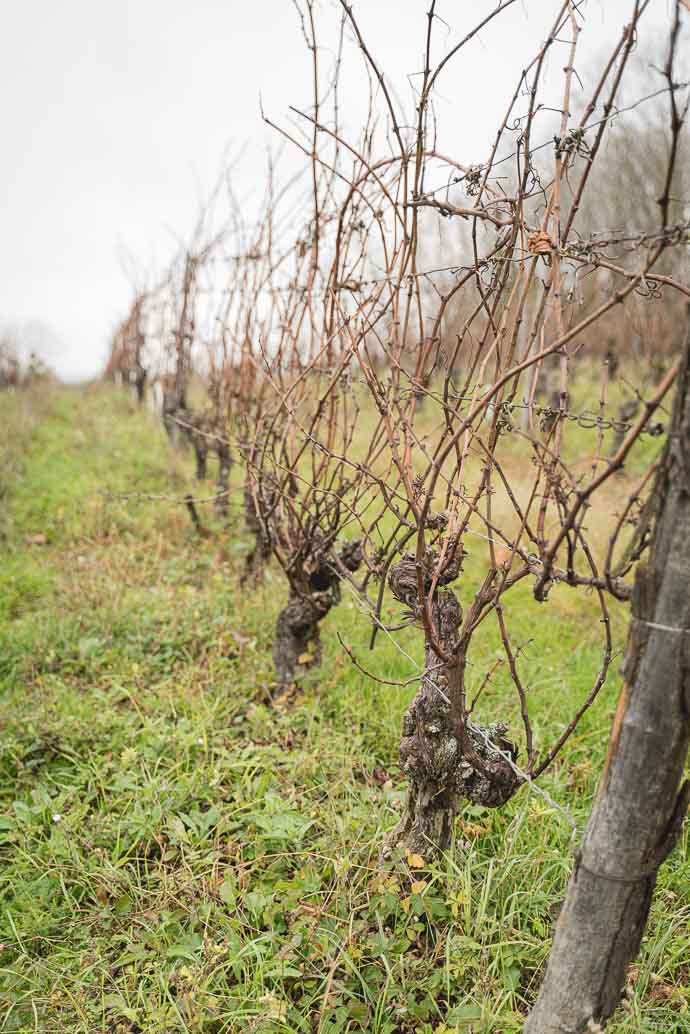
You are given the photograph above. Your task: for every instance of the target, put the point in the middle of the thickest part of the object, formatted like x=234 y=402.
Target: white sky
x=116 y=115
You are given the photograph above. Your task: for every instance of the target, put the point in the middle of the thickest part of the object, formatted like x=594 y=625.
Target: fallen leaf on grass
x=37 y=539
x=471 y=828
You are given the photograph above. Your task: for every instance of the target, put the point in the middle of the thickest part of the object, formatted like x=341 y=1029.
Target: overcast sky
x=116 y=115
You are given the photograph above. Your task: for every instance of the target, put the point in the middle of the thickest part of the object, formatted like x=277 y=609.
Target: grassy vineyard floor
x=176 y=855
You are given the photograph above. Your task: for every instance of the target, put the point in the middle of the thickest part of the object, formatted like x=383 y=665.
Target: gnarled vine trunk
x=445 y=756
x=169 y=412
x=200 y=446
x=222 y=502
x=260 y=553
x=297 y=641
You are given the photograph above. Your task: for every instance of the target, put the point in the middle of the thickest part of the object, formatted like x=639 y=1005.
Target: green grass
x=176 y=855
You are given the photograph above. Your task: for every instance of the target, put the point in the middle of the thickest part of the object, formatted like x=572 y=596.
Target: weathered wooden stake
x=639 y=810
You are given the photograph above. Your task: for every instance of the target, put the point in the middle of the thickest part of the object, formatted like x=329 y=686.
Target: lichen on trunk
x=445 y=756
x=642 y=800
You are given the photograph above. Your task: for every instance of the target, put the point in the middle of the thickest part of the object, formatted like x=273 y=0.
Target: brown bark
x=445 y=756
x=200 y=454
x=297 y=640
x=639 y=809
x=173 y=407
x=260 y=553
x=222 y=503
x=194 y=514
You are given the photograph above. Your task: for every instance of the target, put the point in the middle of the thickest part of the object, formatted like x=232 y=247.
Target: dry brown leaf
x=539 y=243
